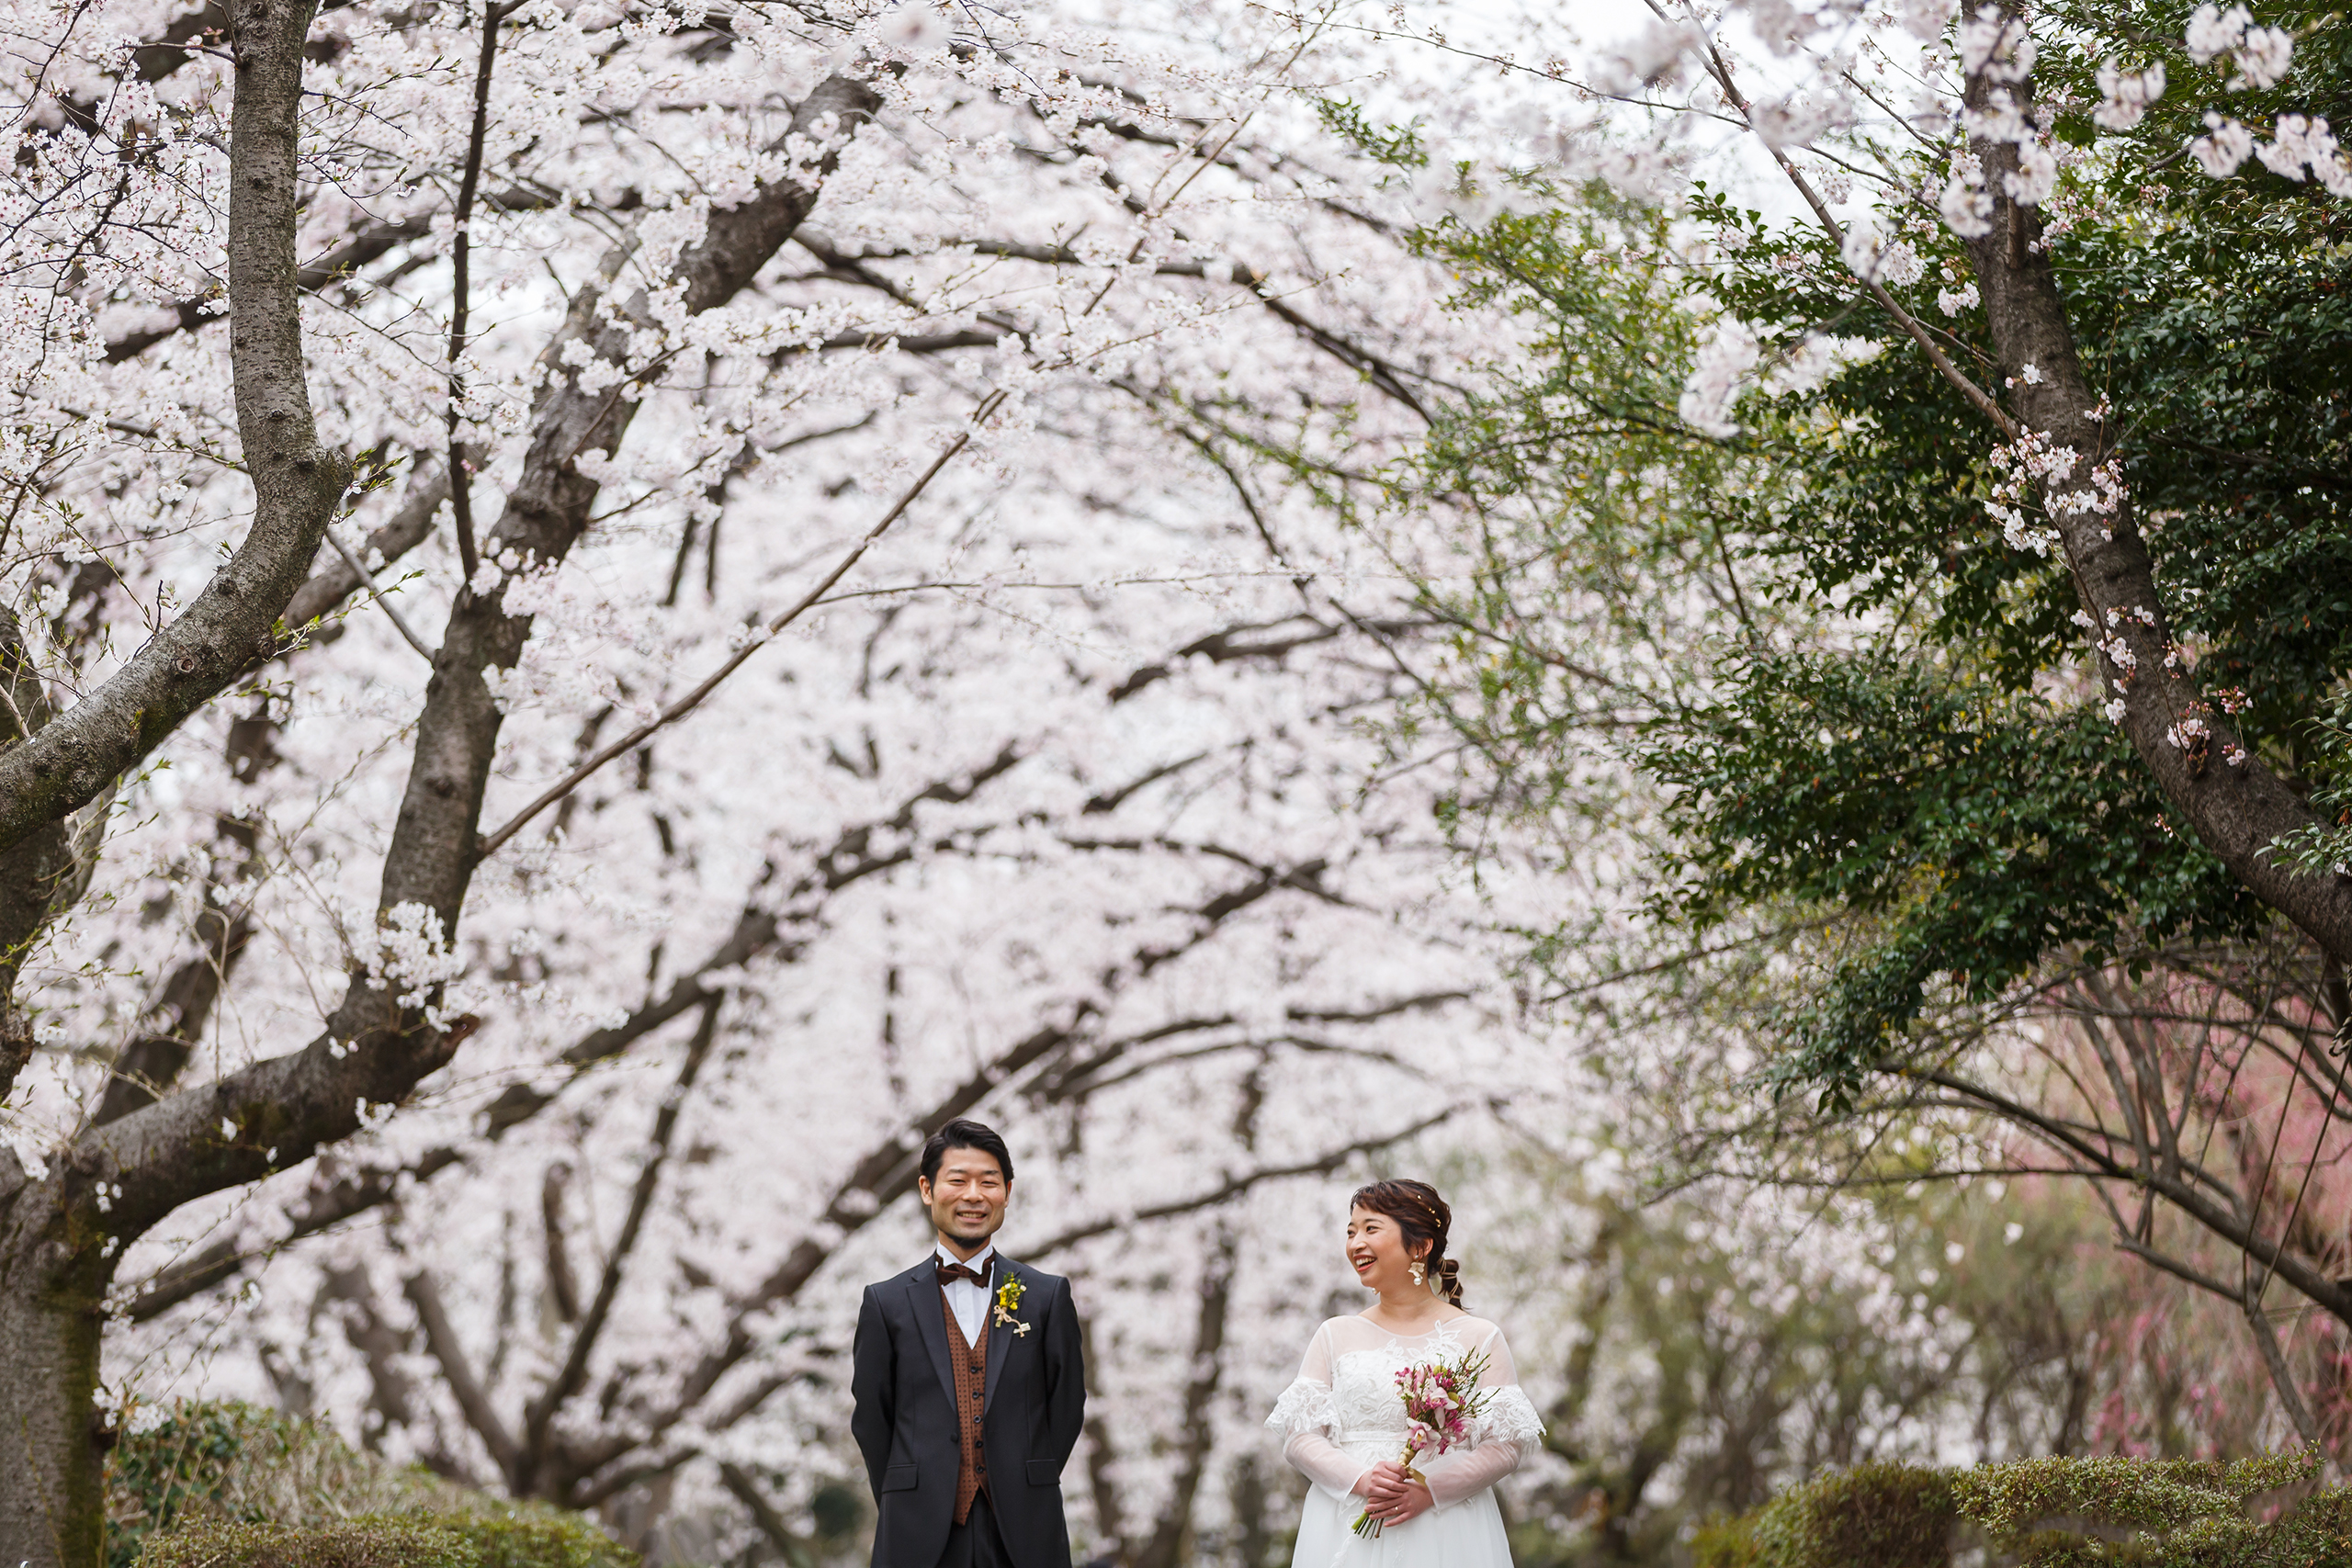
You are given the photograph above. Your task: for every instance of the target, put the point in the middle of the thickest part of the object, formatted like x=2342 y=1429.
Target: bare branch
x=458 y=1372
x=566 y=1381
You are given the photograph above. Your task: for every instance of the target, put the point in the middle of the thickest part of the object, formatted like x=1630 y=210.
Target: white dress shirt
x=968 y=1302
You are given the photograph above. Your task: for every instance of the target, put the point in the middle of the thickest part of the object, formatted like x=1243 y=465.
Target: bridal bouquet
x=1441 y=1399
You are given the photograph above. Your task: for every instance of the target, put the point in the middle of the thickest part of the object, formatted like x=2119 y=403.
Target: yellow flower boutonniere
x=1008 y=1301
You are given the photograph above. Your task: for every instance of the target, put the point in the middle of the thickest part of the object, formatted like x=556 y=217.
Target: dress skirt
x=1467 y=1534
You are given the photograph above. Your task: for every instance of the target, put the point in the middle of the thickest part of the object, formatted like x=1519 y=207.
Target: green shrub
x=1721 y=1541
x=537 y=1539
x=231 y=1486
x=228 y=1461
x=2099 y=1512
x=1881 y=1516
x=2110 y=1490
x=405 y=1541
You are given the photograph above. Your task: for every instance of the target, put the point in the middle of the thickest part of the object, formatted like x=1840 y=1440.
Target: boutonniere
x=1008 y=1301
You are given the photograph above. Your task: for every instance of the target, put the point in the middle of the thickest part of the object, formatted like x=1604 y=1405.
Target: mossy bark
x=53 y=1279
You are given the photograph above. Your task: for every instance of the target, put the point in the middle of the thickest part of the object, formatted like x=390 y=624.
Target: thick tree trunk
x=53 y=1278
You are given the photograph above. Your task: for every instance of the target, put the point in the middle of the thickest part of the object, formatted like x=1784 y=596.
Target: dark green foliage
x=1903 y=735
x=1981 y=828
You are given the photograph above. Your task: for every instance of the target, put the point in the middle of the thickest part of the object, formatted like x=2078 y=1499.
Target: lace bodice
x=1342 y=1412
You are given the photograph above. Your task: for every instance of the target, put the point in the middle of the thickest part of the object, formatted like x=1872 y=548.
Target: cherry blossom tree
x=1950 y=164
x=706 y=610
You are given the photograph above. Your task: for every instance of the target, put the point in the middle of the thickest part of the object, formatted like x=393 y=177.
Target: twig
x=369 y=578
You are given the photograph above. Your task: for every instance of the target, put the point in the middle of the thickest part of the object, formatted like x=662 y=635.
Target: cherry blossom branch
x=461 y=505
x=796 y=1549
x=298 y=483
x=407 y=527
x=1711 y=58
x=1234 y=1186
x=457 y=1370
x=752 y=645
x=370 y=243
x=377 y=1046
x=766 y=927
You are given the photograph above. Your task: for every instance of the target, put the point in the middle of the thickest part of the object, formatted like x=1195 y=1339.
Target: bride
x=1343 y=1420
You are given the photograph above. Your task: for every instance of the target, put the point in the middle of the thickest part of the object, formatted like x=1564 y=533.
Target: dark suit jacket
x=1033 y=1405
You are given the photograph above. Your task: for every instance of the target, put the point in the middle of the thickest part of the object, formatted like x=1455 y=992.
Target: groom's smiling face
x=967 y=1198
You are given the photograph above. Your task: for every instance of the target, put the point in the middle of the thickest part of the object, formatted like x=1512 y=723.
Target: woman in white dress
x=1344 y=1421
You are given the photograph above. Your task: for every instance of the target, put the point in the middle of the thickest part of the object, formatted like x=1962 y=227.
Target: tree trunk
x=53 y=1437
x=2236 y=805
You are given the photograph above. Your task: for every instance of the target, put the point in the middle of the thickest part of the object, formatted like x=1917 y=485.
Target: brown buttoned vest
x=970 y=1363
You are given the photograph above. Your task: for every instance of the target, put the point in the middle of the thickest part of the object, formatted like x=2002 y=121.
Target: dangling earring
x=1421 y=1275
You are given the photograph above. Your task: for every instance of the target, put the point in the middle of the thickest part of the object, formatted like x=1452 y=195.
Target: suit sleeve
x=1065 y=1379
x=871 y=1385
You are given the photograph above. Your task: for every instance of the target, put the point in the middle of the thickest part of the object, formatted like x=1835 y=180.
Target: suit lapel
x=930 y=1322
x=999 y=1335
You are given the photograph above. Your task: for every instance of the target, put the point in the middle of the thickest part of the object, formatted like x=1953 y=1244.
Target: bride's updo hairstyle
x=1422 y=1216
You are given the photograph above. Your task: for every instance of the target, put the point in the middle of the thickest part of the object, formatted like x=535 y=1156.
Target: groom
x=969 y=1385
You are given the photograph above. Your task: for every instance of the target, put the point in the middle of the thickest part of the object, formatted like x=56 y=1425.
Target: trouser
x=976 y=1542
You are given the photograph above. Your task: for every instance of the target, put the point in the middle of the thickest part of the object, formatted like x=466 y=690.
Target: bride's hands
x=1392 y=1496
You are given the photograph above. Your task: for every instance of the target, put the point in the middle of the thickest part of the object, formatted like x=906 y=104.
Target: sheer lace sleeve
x=1305 y=1417
x=1505 y=1432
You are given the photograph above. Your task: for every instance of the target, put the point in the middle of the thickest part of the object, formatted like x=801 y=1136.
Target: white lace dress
x=1343 y=1417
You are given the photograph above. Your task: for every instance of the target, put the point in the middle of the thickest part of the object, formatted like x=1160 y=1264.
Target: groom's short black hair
x=962 y=1134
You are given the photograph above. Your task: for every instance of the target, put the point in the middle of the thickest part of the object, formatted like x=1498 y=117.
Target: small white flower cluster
x=2000 y=50
x=29 y=1151
x=412 y=957
x=2225 y=149
x=1717 y=372
x=2125 y=96
x=2118 y=653
x=1965 y=204
x=2027 y=461
x=1872 y=255
x=2298 y=144
x=2103 y=497
x=2261 y=54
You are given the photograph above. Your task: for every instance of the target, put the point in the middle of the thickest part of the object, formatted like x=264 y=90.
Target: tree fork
x=57 y=1254
x=297 y=483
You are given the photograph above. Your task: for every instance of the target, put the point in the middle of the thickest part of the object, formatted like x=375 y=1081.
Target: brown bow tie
x=951 y=1272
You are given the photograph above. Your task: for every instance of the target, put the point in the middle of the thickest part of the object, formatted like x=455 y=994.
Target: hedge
x=392 y=1541
x=2046 y=1513
x=231 y=1486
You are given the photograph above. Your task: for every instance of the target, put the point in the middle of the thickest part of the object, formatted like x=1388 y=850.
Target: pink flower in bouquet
x=1441 y=1400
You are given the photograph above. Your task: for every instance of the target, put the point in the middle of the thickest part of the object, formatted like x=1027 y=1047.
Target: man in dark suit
x=969 y=1385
